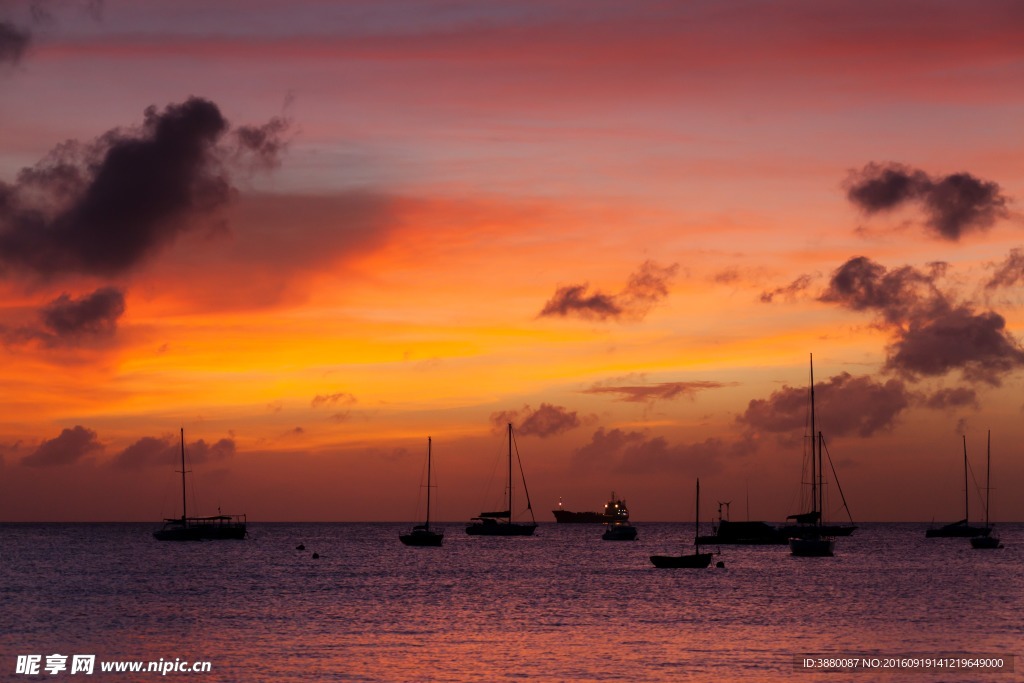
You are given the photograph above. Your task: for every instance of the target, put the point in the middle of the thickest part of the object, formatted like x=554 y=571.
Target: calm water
x=561 y=606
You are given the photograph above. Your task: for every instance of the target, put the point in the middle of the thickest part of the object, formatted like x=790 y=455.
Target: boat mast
x=183 y=513
x=988 y=475
x=510 y=472
x=427 y=524
x=967 y=513
x=814 y=436
x=696 y=521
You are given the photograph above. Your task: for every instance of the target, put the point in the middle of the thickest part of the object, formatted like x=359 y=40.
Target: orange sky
x=342 y=228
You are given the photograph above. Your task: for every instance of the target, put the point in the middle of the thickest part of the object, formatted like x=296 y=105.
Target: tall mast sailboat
x=422 y=534
x=988 y=541
x=963 y=528
x=215 y=528
x=813 y=541
x=500 y=523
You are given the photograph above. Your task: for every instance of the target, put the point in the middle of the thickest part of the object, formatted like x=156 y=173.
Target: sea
x=354 y=604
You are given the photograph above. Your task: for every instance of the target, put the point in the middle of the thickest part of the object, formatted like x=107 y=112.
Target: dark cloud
x=955 y=204
x=933 y=333
x=68 y=448
x=664 y=391
x=265 y=144
x=959 y=397
x=788 y=291
x=95 y=314
x=13 y=43
x=70 y=322
x=844 y=405
x=574 y=300
x=635 y=453
x=103 y=208
x=977 y=344
x=547 y=420
x=645 y=288
x=861 y=284
x=150 y=451
x=332 y=399
x=1010 y=272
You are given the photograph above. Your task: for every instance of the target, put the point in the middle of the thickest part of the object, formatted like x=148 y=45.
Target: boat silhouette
x=214 y=528
x=422 y=534
x=500 y=523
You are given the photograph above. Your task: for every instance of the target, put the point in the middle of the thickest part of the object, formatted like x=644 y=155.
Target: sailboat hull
x=812 y=547
x=957 y=530
x=422 y=538
x=986 y=543
x=222 y=528
x=695 y=561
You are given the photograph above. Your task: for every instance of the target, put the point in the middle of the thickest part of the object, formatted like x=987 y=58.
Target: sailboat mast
x=427 y=523
x=814 y=454
x=988 y=475
x=184 y=514
x=696 y=520
x=510 y=472
x=967 y=512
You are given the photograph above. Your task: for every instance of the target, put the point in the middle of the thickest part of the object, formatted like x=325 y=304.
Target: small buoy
x=316 y=556
x=300 y=547
x=720 y=564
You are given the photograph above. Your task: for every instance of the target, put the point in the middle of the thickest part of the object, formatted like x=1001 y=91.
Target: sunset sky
x=313 y=234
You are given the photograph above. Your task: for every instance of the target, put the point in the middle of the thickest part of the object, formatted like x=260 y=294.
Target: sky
x=314 y=234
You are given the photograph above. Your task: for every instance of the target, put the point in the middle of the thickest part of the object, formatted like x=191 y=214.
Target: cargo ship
x=615 y=510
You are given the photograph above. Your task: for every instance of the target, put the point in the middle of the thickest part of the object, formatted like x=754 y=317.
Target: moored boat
x=213 y=528
x=697 y=560
x=988 y=541
x=963 y=528
x=501 y=523
x=619 y=531
x=421 y=534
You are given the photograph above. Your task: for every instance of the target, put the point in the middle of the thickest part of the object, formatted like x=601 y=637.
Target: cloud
x=933 y=333
x=955 y=204
x=635 y=453
x=645 y=288
x=664 y=391
x=333 y=399
x=789 y=291
x=861 y=284
x=95 y=314
x=978 y=344
x=844 y=404
x=13 y=43
x=547 y=420
x=958 y=397
x=1010 y=272
x=68 y=448
x=66 y=321
x=105 y=207
x=150 y=451
x=265 y=144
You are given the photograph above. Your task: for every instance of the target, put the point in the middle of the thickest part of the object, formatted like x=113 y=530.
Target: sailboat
x=697 y=560
x=987 y=542
x=500 y=523
x=961 y=529
x=216 y=528
x=813 y=540
x=422 y=534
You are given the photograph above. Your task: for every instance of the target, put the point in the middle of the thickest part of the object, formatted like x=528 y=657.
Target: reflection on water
x=562 y=605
